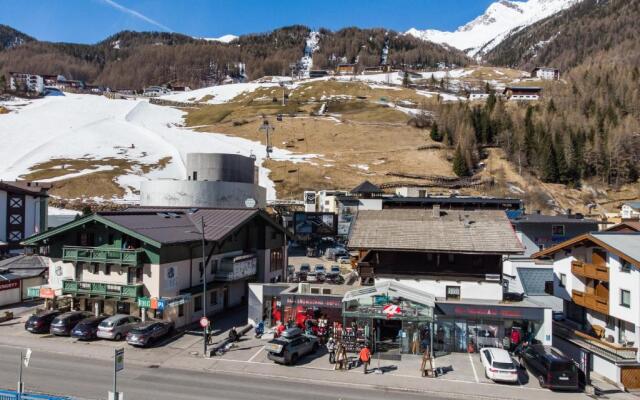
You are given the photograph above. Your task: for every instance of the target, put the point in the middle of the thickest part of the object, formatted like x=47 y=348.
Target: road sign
x=119 y=359
x=204 y=322
x=27 y=357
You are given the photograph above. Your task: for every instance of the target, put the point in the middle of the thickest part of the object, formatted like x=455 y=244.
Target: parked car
x=41 y=322
x=334 y=270
x=312 y=277
x=319 y=268
x=344 y=260
x=552 y=370
x=87 y=329
x=149 y=332
x=498 y=365
x=64 y=323
x=305 y=268
x=117 y=327
x=291 y=346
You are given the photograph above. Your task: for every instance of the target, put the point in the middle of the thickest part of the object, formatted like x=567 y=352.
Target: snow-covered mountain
x=499 y=20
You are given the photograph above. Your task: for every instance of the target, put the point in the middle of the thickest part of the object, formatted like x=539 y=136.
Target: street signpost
x=204 y=322
x=24 y=359
x=118 y=365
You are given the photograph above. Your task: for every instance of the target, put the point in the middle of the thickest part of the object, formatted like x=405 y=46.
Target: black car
x=87 y=328
x=41 y=322
x=149 y=332
x=553 y=371
x=64 y=323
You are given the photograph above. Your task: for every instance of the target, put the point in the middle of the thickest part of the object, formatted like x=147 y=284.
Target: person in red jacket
x=365 y=357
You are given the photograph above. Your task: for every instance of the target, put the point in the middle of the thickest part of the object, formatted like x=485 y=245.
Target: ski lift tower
x=267 y=129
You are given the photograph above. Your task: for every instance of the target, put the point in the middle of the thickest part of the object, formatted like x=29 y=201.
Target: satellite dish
x=250 y=203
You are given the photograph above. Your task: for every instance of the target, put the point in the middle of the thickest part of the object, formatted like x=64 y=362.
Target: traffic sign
x=204 y=322
x=119 y=359
x=27 y=357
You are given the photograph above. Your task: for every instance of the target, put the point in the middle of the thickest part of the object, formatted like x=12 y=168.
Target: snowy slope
x=220 y=93
x=95 y=127
x=223 y=39
x=490 y=28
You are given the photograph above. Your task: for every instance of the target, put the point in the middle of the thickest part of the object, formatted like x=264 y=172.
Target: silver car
x=117 y=327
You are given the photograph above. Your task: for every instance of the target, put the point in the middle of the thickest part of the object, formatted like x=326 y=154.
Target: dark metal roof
x=24 y=262
x=366 y=187
x=551 y=219
x=25 y=187
x=453 y=200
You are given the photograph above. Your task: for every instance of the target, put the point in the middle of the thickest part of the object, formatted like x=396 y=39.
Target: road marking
x=257 y=353
x=473 y=367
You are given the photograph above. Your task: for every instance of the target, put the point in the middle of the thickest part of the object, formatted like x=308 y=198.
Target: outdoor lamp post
x=204 y=285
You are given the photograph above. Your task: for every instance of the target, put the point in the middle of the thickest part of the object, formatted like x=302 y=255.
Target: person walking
x=331 y=348
x=365 y=357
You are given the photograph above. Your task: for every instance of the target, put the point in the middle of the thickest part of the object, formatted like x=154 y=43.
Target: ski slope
x=94 y=127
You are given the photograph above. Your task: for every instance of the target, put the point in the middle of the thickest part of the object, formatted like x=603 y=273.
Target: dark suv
x=41 y=322
x=64 y=323
x=291 y=346
x=553 y=371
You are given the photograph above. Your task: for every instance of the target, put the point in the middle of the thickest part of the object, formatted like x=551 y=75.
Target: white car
x=498 y=365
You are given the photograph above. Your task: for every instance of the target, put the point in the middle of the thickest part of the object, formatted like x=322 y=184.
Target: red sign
x=488 y=312
x=47 y=293
x=391 y=310
x=8 y=285
x=204 y=322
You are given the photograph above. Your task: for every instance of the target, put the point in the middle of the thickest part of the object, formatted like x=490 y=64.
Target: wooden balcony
x=591 y=301
x=101 y=289
x=592 y=271
x=103 y=255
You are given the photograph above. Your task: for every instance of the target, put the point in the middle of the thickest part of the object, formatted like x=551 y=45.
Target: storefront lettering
x=314 y=302
x=487 y=312
x=9 y=285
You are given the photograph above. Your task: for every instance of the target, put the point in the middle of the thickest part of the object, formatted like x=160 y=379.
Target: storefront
x=463 y=327
x=391 y=318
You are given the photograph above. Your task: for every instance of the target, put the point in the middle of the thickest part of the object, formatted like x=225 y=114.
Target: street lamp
x=204 y=284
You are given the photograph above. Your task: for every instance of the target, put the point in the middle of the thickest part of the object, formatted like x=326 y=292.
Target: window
x=195 y=175
x=563 y=280
x=625 y=266
x=214 y=267
x=277 y=260
x=213 y=298
x=451 y=258
x=181 y=310
x=557 y=230
x=625 y=298
x=453 y=292
x=107 y=269
x=197 y=303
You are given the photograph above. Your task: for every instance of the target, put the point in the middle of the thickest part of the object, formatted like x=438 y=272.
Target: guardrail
x=12 y=395
x=101 y=289
x=594 y=345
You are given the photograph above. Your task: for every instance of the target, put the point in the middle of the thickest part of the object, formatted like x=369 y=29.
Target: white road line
x=473 y=367
x=257 y=353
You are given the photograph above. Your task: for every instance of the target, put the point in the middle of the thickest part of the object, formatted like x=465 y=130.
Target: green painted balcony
x=101 y=289
x=133 y=257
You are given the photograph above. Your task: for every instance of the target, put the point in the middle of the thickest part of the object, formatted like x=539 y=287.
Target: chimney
x=436 y=211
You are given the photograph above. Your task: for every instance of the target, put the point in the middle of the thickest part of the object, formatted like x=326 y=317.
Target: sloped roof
x=37 y=189
x=633 y=204
x=459 y=231
x=366 y=187
x=534 y=279
x=630 y=225
x=24 y=262
x=625 y=245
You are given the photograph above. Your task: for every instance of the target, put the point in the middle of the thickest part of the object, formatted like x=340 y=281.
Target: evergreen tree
x=551 y=106
x=529 y=136
x=561 y=161
x=550 y=164
x=460 y=166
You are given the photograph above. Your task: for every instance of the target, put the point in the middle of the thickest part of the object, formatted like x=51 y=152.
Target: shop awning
x=392 y=289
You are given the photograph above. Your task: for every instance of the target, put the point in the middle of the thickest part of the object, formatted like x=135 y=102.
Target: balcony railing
x=613 y=353
x=103 y=255
x=591 y=301
x=101 y=289
x=592 y=271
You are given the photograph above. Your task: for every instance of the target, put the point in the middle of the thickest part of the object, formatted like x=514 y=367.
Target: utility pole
x=267 y=129
x=204 y=288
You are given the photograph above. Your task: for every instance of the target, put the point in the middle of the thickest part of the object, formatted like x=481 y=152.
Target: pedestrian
x=331 y=348
x=279 y=329
x=233 y=335
x=365 y=357
x=341 y=357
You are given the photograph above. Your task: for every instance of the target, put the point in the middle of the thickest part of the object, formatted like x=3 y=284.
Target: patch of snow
x=499 y=20
x=89 y=126
x=221 y=93
x=363 y=167
x=61 y=211
x=224 y=38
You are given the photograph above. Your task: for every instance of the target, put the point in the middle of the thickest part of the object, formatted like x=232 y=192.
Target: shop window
x=625 y=266
x=557 y=230
x=277 y=260
x=563 y=280
x=181 y=310
x=453 y=292
x=197 y=303
x=625 y=298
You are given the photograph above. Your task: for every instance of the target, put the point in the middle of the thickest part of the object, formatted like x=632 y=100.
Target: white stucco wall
x=468 y=290
x=10 y=296
x=619 y=280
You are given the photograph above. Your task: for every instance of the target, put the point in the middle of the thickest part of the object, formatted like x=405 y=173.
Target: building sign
x=47 y=293
x=491 y=312
x=312 y=301
x=152 y=303
x=177 y=301
x=119 y=360
x=8 y=285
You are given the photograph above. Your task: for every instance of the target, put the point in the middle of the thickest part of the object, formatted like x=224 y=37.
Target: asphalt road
x=92 y=379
